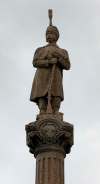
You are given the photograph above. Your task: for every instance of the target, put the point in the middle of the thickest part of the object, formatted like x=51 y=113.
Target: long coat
x=42 y=76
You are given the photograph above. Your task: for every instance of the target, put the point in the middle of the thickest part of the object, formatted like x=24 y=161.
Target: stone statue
x=49 y=138
x=50 y=61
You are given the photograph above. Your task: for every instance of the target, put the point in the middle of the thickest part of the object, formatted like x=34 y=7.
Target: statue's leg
x=55 y=102
x=42 y=104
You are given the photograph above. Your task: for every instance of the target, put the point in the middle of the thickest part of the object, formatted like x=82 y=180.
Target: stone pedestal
x=49 y=139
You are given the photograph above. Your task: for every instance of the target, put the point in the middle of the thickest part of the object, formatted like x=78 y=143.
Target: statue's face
x=51 y=36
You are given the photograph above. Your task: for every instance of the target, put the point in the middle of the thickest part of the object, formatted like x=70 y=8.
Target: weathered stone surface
x=49 y=133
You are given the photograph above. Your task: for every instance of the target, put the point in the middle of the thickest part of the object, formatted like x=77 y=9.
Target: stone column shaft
x=50 y=168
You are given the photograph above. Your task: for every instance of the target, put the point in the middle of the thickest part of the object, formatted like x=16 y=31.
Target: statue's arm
x=38 y=61
x=64 y=61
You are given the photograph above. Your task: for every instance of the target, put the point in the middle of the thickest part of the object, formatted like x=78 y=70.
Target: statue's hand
x=52 y=61
x=58 y=54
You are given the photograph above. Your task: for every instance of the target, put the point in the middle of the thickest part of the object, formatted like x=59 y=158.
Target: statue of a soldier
x=50 y=60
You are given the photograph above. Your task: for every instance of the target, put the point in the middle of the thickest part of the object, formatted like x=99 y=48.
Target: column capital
x=49 y=134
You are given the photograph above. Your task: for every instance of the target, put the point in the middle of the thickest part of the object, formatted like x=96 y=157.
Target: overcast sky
x=22 y=30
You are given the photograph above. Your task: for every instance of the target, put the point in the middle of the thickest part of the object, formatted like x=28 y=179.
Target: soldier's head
x=52 y=34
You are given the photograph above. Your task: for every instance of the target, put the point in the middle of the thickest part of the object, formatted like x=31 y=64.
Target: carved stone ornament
x=49 y=134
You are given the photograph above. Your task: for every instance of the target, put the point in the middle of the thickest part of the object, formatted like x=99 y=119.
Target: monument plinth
x=49 y=138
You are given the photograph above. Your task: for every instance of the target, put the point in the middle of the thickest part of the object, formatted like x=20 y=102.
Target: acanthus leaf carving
x=49 y=132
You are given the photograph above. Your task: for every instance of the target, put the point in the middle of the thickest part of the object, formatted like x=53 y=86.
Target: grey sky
x=22 y=30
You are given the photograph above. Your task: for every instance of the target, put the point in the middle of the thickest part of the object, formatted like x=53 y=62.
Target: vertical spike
x=50 y=14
